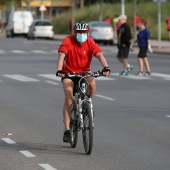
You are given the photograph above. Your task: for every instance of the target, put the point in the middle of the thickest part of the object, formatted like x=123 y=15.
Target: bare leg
x=140 y=61
x=92 y=86
x=146 y=64
x=68 y=91
x=124 y=62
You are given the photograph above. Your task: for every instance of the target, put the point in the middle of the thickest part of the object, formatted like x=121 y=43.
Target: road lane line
x=161 y=75
x=39 y=51
x=47 y=166
x=105 y=78
x=21 y=78
x=130 y=76
x=8 y=141
x=104 y=97
x=168 y=116
x=50 y=76
x=51 y=82
x=27 y=154
x=18 y=51
x=2 y=51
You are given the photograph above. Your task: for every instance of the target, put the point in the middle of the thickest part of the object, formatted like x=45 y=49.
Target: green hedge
x=148 y=10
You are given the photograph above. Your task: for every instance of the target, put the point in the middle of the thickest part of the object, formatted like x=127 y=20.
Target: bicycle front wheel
x=73 y=129
x=87 y=131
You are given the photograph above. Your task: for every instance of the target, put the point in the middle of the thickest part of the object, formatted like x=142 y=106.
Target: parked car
x=18 y=23
x=101 y=31
x=41 y=28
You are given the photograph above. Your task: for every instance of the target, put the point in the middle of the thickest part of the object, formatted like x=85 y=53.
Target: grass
x=148 y=10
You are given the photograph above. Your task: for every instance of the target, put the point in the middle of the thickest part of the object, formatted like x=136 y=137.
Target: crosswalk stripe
x=39 y=51
x=130 y=76
x=18 y=51
x=8 y=141
x=2 y=51
x=53 y=77
x=104 y=78
x=47 y=167
x=50 y=76
x=161 y=75
x=21 y=78
x=27 y=153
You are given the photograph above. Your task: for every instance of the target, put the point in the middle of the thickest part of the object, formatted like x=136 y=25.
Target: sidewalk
x=163 y=48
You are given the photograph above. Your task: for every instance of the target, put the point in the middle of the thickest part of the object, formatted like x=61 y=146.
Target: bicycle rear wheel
x=87 y=131
x=73 y=128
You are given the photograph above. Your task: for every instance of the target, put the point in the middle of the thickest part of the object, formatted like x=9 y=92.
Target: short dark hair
x=143 y=21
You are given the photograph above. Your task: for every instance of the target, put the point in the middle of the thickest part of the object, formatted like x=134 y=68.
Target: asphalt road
x=132 y=114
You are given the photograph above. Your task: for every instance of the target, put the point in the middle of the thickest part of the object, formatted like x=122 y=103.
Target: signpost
x=159 y=21
x=122 y=7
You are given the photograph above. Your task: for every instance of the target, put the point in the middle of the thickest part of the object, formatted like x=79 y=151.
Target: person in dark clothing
x=124 y=37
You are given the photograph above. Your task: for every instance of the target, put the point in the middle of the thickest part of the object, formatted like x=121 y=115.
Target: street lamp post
x=122 y=7
x=42 y=11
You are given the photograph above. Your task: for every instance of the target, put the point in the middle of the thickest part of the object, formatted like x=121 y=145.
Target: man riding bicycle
x=75 y=55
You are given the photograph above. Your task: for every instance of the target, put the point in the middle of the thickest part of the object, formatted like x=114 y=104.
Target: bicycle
x=82 y=112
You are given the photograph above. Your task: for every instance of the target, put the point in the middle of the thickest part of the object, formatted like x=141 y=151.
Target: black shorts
x=123 y=52
x=142 y=52
x=75 y=81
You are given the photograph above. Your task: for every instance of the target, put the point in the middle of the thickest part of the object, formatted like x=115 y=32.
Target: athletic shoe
x=66 y=137
x=129 y=68
x=148 y=73
x=140 y=73
x=124 y=73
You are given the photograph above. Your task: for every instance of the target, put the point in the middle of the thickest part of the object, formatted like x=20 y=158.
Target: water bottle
x=83 y=88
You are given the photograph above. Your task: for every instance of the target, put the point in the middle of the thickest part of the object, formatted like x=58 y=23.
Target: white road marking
x=7 y=134
x=51 y=82
x=104 y=78
x=47 y=166
x=104 y=97
x=8 y=141
x=39 y=51
x=2 y=51
x=18 y=51
x=50 y=76
x=54 y=51
x=21 y=78
x=161 y=75
x=53 y=76
x=130 y=76
x=167 y=116
x=27 y=154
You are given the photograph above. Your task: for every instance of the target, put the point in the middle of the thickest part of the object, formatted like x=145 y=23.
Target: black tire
x=87 y=131
x=73 y=129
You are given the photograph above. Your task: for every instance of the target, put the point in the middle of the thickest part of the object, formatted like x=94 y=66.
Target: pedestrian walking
x=143 y=40
x=168 y=26
x=124 y=37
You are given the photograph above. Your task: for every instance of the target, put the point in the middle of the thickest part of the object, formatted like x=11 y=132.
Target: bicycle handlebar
x=85 y=74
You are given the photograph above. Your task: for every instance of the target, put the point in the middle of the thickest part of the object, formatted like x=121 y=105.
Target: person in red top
x=168 y=26
x=75 y=55
x=137 y=20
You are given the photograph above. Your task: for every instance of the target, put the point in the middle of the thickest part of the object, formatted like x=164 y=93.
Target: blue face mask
x=81 y=38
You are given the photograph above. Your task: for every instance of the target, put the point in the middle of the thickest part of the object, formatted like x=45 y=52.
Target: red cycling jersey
x=78 y=56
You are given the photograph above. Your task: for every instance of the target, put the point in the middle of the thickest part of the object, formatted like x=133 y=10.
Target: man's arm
x=103 y=62
x=60 y=62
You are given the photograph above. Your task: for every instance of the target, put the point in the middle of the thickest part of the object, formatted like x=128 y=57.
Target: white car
x=41 y=28
x=101 y=31
x=18 y=23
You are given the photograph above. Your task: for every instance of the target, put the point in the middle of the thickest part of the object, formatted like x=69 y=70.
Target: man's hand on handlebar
x=60 y=73
x=106 y=71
